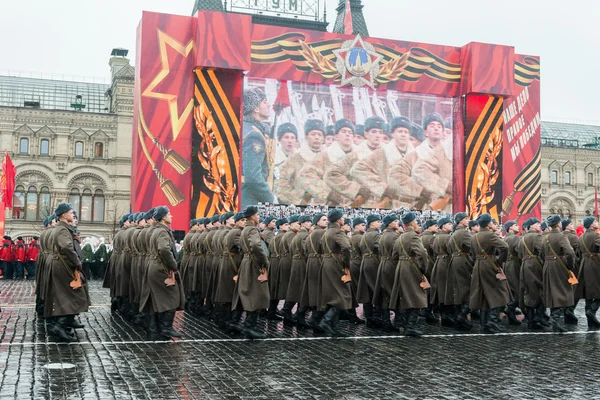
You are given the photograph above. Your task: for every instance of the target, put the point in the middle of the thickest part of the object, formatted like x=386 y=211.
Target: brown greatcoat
x=439 y=272
x=43 y=264
x=369 y=246
x=558 y=292
x=157 y=296
x=312 y=285
x=136 y=259
x=434 y=172
x=407 y=292
x=114 y=264
x=589 y=271
x=285 y=264
x=532 y=267
x=268 y=235
x=218 y=252
x=294 y=289
x=387 y=268
x=185 y=262
x=142 y=243
x=512 y=266
x=427 y=239
x=336 y=257
x=208 y=259
x=124 y=274
x=574 y=242
x=401 y=181
x=249 y=292
x=199 y=250
x=62 y=299
x=460 y=267
x=275 y=258
x=191 y=265
x=487 y=291
x=230 y=265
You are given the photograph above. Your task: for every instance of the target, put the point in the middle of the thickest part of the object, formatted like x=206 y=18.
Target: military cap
x=238 y=216
x=494 y=221
x=443 y=221
x=460 y=216
x=313 y=125
x=252 y=99
x=330 y=131
x=285 y=128
x=416 y=131
x=160 y=212
x=335 y=215
x=281 y=221
x=6 y=237
x=373 y=218
x=343 y=123
x=484 y=220
x=293 y=218
x=430 y=222
x=317 y=217
x=215 y=218
x=204 y=221
x=269 y=219
x=544 y=226
x=473 y=223
x=19 y=237
x=304 y=218
x=388 y=219
x=376 y=123
x=526 y=224
x=139 y=216
x=62 y=208
x=508 y=224
x=566 y=222
x=588 y=221
x=222 y=218
x=533 y=220
x=347 y=221
x=408 y=217
x=358 y=221
x=553 y=220
x=149 y=214
x=433 y=117
x=46 y=221
x=400 y=122
x=250 y=211
x=53 y=217
x=130 y=217
x=360 y=130
x=75 y=214
x=192 y=222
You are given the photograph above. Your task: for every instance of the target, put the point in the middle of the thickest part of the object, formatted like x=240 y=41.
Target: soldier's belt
x=481 y=257
x=554 y=257
x=127 y=250
x=331 y=255
x=406 y=258
x=313 y=256
x=528 y=258
x=589 y=255
x=444 y=256
x=509 y=259
x=385 y=257
x=298 y=257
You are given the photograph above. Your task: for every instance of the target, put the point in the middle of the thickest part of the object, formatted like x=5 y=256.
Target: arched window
x=99 y=150
x=554 y=177
x=86 y=206
x=44 y=147
x=98 y=206
x=24 y=146
x=44 y=207
x=19 y=203
x=567 y=178
x=78 y=149
x=31 y=204
x=75 y=200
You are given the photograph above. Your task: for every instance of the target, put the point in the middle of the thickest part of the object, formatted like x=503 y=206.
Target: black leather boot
x=556 y=315
x=541 y=317
x=429 y=315
x=60 y=329
x=411 y=323
x=166 y=324
x=224 y=316
x=591 y=307
x=447 y=317
x=532 y=323
x=386 y=322
x=272 y=313
x=250 y=331
x=141 y=320
x=288 y=317
x=494 y=319
x=301 y=318
x=475 y=314
x=372 y=322
x=353 y=318
x=154 y=332
x=570 y=318
x=73 y=323
x=487 y=326
x=400 y=319
x=234 y=325
x=511 y=313
x=315 y=320
x=462 y=321
x=329 y=322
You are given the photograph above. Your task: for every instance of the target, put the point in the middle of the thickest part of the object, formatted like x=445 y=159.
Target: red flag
x=7 y=181
x=596 y=202
x=348 y=28
x=283 y=98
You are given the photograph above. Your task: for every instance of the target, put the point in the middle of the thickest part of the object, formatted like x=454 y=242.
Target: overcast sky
x=75 y=37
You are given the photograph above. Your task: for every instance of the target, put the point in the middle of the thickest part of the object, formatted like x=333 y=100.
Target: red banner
x=7 y=181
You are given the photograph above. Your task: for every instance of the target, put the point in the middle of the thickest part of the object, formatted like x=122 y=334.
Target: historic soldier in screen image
x=588 y=287
x=257 y=149
x=287 y=137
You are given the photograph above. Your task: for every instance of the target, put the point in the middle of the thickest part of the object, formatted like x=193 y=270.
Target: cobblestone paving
x=113 y=361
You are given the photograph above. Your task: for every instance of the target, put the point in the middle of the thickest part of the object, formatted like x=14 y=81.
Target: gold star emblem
x=177 y=120
x=357 y=62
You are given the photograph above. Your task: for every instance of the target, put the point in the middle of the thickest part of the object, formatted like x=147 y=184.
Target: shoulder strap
x=556 y=255
x=529 y=252
x=331 y=252
x=486 y=254
x=410 y=260
x=587 y=250
x=458 y=249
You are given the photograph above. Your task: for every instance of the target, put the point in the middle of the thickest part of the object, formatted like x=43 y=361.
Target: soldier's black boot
x=372 y=322
x=411 y=323
x=301 y=318
x=288 y=317
x=250 y=331
x=400 y=319
x=224 y=315
x=60 y=328
x=272 y=313
x=353 y=318
x=494 y=319
x=377 y=315
x=166 y=324
x=532 y=323
x=462 y=320
x=315 y=321
x=329 y=322
x=386 y=321
x=487 y=326
x=430 y=317
x=570 y=318
x=234 y=325
x=154 y=332
x=447 y=317
x=511 y=309
x=114 y=305
x=475 y=314
x=591 y=307
x=73 y=323
x=542 y=317
x=556 y=314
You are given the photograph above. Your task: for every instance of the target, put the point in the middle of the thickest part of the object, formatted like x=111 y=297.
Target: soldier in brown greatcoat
x=275 y=250
x=310 y=286
x=512 y=269
x=66 y=295
x=359 y=226
x=142 y=243
x=207 y=271
x=163 y=293
x=227 y=223
x=268 y=234
x=191 y=264
x=460 y=268
x=136 y=266
x=569 y=231
x=559 y=257
x=408 y=294
x=251 y=289
x=335 y=289
x=199 y=246
x=369 y=247
x=439 y=272
x=427 y=236
x=285 y=266
x=185 y=262
x=589 y=272
x=114 y=265
x=43 y=265
x=387 y=271
x=489 y=289
x=124 y=277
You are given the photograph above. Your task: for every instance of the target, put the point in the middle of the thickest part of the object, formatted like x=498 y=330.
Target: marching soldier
x=285 y=268
x=474 y=226
x=251 y=289
x=359 y=227
x=275 y=250
x=569 y=231
x=228 y=222
x=124 y=276
x=43 y=266
x=298 y=273
x=114 y=265
x=439 y=273
x=199 y=252
x=427 y=237
x=489 y=289
x=207 y=271
x=136 y=268
x=369 y=247
x=589 y=273
x=512 y=269
x=185 y=260
x=142 y=244
x=558 y=272
x=409 y=293
x=269 y=233
x=335 y=290
x=310 y=286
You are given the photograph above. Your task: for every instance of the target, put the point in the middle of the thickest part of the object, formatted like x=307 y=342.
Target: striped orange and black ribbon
x=527 y=71
x=529 y=181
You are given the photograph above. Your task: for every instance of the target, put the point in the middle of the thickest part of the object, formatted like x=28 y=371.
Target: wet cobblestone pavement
x=113 y=361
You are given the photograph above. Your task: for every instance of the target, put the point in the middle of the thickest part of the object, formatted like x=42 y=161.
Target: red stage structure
x=191 y=73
